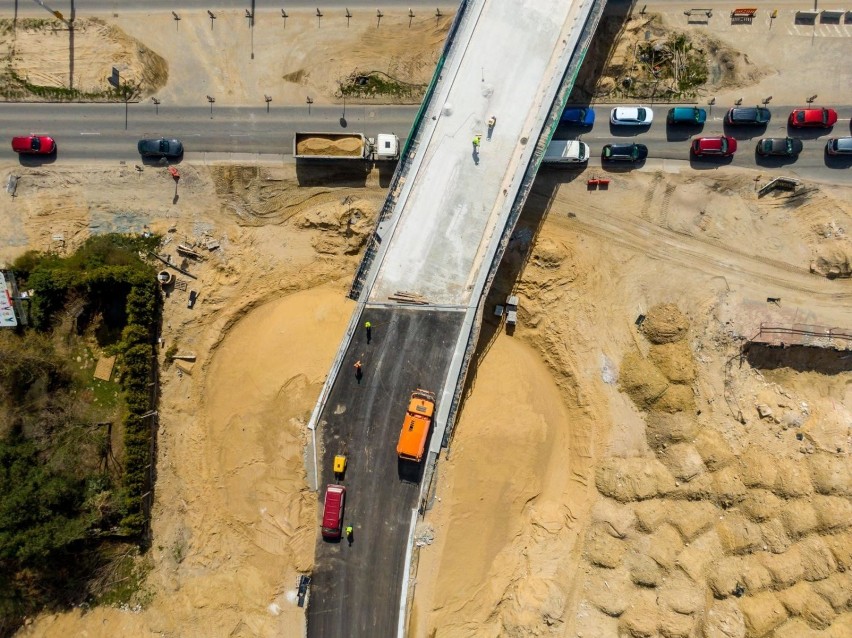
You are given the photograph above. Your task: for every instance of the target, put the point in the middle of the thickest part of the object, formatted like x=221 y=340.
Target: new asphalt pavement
x=356 y=589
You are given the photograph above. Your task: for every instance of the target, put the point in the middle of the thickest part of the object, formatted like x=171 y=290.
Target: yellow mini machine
x=339 y=466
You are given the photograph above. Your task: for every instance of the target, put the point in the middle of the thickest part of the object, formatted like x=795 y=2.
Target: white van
x=566 y=151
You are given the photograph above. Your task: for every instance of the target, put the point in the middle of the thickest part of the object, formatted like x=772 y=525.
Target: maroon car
x=34 y=144
x=722 y=146
x=817 y=118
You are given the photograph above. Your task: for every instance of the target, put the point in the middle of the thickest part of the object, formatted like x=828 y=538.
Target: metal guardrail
x=568 y=80
x=405 y=158
x=817 y=332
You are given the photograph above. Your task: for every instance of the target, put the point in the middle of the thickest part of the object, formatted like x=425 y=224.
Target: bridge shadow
x=615 y=17
x=515 y=259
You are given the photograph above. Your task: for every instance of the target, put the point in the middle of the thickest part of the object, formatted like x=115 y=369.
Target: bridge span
x=441 y=234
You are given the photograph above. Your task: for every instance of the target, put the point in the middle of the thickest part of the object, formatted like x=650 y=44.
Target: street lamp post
x=250 y=16
x=267 y=99
x=211 y=99
x=156 y=105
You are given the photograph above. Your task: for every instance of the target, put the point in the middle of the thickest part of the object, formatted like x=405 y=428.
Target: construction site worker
x=369 y=327
x=349 y=532
x=476 y=140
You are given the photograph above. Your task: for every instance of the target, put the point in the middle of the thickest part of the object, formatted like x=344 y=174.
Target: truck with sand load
x=345 y=146
x=416 y=426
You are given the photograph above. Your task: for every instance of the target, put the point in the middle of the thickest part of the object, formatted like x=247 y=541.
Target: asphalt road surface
x=356 y=590
x=672 y=142
x=86 y=132
x=96 y=131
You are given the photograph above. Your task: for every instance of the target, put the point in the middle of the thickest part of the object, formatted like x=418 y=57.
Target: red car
x=34 y=144
x=819 y=118
x=723 y=146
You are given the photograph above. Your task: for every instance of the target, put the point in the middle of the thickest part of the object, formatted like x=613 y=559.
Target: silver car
x=839 y=146
x=631 y=116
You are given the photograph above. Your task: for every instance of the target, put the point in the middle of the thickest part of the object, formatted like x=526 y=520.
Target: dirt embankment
x=715 y=533
x=653 y=58
x=653 y=510
x=50 y=60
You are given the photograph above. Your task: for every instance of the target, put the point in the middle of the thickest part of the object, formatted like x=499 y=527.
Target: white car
x=632 y=116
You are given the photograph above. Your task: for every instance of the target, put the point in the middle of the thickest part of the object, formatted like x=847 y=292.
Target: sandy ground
x=616 y=517
x=623 y=494
x=182 y=63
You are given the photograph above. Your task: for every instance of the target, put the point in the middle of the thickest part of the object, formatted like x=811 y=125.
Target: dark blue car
x=578 y=116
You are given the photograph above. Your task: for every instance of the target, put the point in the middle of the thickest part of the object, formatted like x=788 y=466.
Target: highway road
x=356 y=590
x=86 y=132
x=92 y=132
x=672 y=142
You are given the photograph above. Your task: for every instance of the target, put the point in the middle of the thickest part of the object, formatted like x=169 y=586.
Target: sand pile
x=752 y=531
x=334 y=146
x=665 y=323
x=725 y=551
x=661 y=381
x=38 y=51
x=641 y=380
x=759 y=533
x=674 y=360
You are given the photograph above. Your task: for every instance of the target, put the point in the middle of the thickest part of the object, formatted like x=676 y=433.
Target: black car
x=161 y=147
x=748 y=115
x=785 y=146
x=624 y=152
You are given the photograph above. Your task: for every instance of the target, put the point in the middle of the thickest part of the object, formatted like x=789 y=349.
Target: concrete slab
x=505 y=56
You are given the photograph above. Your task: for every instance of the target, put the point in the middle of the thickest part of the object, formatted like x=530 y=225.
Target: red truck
x=332 y=512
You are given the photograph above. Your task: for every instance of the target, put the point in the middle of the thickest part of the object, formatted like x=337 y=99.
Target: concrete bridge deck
x=507 y=62
x=441 y=235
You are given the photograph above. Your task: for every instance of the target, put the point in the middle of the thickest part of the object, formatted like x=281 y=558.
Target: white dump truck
x=566 y=152
x=345 y=146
